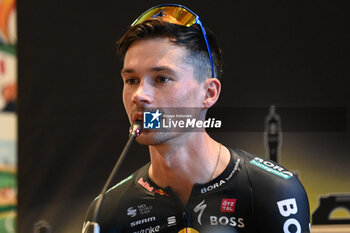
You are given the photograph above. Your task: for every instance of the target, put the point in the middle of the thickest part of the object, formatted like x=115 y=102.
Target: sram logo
x=287 y=208
x=142 y=221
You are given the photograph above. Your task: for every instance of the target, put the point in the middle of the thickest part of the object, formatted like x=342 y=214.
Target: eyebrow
x=127 y=71
x=162 y=68
x=153 y=69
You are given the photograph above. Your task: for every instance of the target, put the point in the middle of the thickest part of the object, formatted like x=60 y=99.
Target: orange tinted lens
x=170 y=14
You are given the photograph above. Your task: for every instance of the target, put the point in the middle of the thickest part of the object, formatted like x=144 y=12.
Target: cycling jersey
x=251 y=195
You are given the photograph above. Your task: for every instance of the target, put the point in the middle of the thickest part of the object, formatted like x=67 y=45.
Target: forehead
x=160 y=51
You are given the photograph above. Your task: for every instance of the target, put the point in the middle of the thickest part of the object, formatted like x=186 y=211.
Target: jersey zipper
x=186 y=218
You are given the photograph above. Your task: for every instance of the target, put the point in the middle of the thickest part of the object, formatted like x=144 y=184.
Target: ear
x=212 y=88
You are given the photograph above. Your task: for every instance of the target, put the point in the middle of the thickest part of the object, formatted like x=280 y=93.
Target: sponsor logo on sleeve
x=271 y=167
x=287 y=208
x=228 y=205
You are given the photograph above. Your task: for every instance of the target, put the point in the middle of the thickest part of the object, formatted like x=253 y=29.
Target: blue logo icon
x=151 y=120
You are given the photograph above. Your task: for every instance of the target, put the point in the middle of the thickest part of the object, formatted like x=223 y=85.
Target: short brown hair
x=189 y=37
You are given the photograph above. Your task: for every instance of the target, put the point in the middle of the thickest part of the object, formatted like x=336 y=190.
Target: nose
x=143 y=94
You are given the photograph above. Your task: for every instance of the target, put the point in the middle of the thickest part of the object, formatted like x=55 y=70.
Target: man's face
x=155 y=76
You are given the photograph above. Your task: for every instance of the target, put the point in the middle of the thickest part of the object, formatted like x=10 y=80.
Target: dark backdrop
x=72 y=125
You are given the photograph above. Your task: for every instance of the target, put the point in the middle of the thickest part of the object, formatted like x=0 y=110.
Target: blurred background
x=71 y=125
x=8 y=116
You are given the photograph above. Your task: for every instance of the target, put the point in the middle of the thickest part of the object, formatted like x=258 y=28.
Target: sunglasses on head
x=176 y=14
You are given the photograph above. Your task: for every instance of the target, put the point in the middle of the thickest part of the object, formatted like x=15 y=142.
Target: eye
x=131 y=81
x=162 y=79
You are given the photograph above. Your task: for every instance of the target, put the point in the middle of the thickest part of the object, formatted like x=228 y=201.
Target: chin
x=149 y=138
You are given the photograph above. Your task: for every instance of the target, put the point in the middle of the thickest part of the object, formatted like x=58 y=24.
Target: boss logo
x=223 y=220
x=287 y=208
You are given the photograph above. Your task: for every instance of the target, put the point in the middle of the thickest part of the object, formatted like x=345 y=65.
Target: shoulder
x=115 y=199
x=265 y=175
x=127 y=188
x=277 y=194
x=264 y=168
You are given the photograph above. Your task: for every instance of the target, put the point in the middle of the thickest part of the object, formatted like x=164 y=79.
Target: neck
x=185 y=161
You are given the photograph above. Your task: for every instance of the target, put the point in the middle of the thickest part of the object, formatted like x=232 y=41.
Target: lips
x=137 y=116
